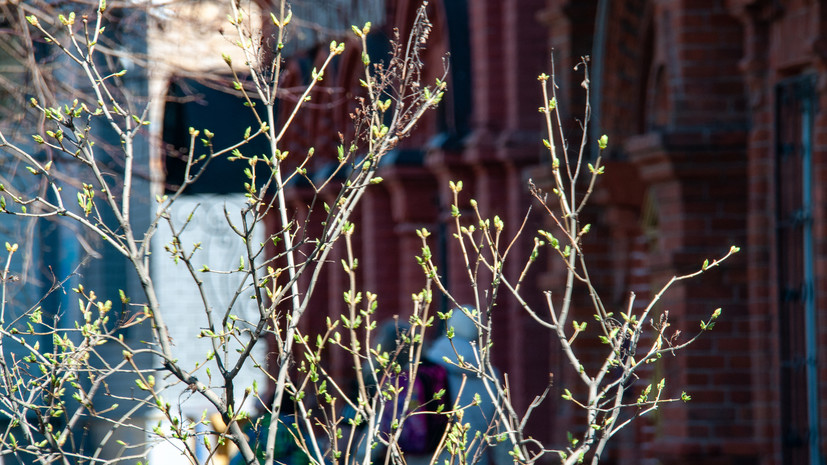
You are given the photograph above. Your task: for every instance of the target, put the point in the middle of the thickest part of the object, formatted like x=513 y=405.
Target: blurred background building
x=717 y=138
x=712 y=109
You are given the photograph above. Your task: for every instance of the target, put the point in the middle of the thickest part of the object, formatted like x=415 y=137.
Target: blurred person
x=447 y=352
x=289 y=437
x=423 y=428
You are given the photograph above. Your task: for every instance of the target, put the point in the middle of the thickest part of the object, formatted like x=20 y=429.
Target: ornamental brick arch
x=314 y=126
x=433 y=57
x=671 y=98
x=688 y=157
x=386 y=219
x=621 y=54
x=405 y=201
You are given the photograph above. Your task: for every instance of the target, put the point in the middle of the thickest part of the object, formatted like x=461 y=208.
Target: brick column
x=756 y=18
x=413 y=205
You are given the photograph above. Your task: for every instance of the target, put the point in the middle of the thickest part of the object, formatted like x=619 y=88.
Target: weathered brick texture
x=688 y=100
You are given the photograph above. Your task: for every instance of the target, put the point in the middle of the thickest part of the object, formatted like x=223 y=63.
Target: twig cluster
x=50 y=391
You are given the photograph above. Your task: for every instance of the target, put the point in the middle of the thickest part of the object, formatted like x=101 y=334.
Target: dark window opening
x=194 y=105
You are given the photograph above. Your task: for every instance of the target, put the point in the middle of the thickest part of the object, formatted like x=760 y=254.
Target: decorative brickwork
x=688 y=98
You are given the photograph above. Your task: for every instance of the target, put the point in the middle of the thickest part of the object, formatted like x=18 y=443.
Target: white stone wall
x=185 y=316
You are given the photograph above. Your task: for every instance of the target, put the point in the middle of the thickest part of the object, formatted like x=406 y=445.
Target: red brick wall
x=688 y=104
x=674 y=106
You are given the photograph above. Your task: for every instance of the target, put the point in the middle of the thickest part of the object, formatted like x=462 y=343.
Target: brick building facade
x=712 y=109
x=713 y=112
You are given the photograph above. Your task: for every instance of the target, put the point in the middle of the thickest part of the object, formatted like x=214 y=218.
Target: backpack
x=421 y=434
